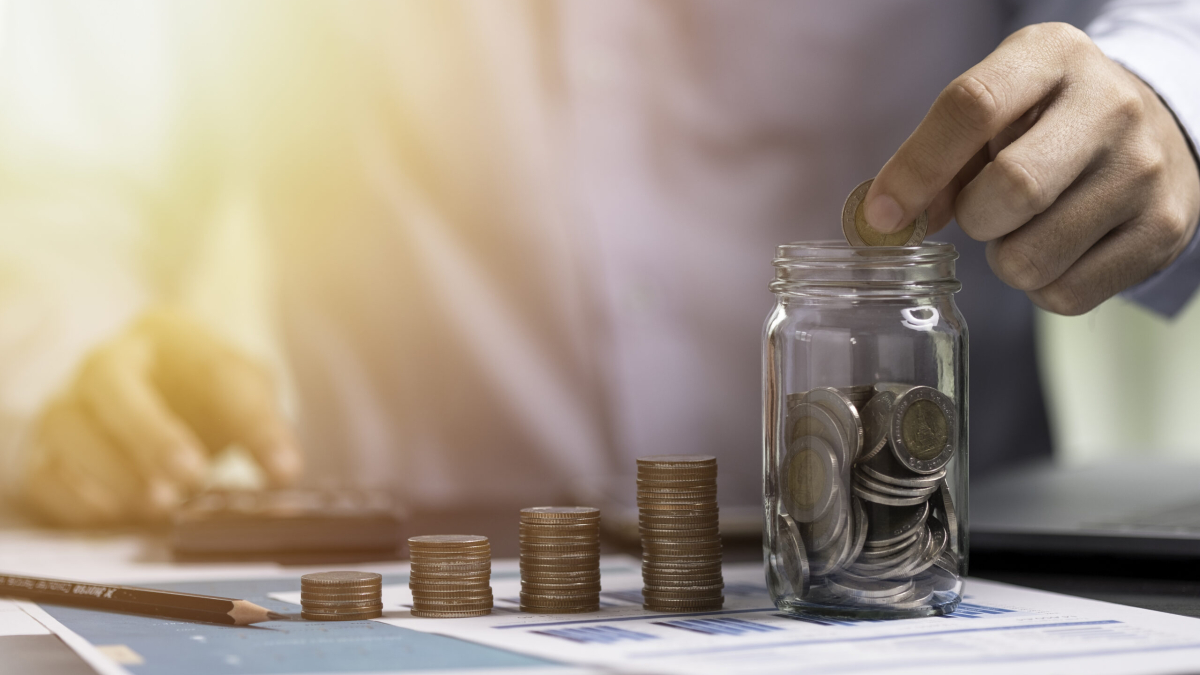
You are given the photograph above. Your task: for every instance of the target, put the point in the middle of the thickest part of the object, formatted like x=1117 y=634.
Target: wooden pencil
x=148 y=601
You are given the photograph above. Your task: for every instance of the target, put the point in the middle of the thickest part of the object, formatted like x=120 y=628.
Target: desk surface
x=1177 y=596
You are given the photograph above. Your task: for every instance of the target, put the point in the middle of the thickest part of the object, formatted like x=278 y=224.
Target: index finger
x=974 y=108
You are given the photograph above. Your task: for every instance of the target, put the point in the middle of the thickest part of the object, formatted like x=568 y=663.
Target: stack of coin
x=341 y=596
x=560 y=559
x=681 y=543
x=867 y=517
x=450 y=575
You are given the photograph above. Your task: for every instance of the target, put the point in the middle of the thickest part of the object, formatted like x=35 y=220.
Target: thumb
x=249 y=414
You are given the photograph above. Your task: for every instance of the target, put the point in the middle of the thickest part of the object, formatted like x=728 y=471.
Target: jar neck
x=835 y=269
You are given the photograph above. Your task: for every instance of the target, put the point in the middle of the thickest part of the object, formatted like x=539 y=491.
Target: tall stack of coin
x=560 y=559
x=681 y=542
x=450 y=575
x=341 y=596
x=867 y=516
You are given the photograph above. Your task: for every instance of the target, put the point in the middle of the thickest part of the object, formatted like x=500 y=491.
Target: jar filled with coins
x=865 y=463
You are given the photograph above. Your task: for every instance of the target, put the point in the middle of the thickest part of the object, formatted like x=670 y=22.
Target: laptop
x=1126 y=508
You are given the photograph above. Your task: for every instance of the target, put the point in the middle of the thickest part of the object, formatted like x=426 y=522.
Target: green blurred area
x=1122 y=382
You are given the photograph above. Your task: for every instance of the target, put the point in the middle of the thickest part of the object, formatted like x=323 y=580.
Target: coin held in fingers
x=859 y=233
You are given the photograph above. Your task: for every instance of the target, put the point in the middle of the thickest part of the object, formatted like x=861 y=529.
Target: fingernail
x=883 y=213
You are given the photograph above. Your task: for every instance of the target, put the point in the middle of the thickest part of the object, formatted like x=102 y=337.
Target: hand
x=132 y=435
x=1068 y=165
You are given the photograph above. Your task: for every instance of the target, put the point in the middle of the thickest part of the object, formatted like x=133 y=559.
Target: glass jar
x=865 y=431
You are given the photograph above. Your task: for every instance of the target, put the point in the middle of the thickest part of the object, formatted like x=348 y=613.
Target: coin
x=922 y=432
x=843 y=410
x=811 y=474
x=876 y=417
x=341 y=579
x=886 y=468
x=810 y=419
x=861 y=587
x=575 y=514
x=944 y=504
x=888 y=525
x=325 y=616
x=339 y=597
x=440 y=614
x=793 y=562
x=859 y=233
x=454 y=541
x=822 y=532
x=889 y=489
x=858 y=530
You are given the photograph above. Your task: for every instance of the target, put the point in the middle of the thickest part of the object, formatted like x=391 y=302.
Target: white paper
x=998 y=629
x=14 y=621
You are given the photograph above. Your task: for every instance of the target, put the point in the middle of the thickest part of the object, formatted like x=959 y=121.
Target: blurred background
x=243 y=160
x=1119 y=382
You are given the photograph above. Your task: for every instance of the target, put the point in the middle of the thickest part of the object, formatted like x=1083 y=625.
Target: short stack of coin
x=450 y=575
x=560 y=559
x=681 y=542
x=341 y=596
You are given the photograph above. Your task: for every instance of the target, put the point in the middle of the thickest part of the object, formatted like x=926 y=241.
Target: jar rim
x=840 y=252
x=837 y=269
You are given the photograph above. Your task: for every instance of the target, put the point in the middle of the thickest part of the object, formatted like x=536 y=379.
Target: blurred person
x=495 y=251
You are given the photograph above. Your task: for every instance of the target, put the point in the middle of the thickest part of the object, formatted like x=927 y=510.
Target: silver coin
x=890 y=600
x=924 y=429
x=811 y=474
x=937 y=544
x=887 y=525
x=876 y=417
x=904 y=556
x=948 y=561
x=847 y=542
x=872 y=553
x=885 y=468
x=861 y=587
x=943 y=502
x=859 y=529
x=885 y=499
x=794 y=559
x=810 y=419
x=894 y=490
x=920 y=598
x=891 y=567
x=843 y=410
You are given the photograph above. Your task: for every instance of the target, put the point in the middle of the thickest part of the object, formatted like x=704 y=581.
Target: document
x=997 y=629
x=15 y=621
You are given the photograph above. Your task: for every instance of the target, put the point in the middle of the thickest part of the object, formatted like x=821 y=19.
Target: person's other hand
x=132 y=435
x=1068 y=165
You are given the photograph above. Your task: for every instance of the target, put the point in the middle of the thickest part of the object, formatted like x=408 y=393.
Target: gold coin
x=859 y=233
x=924 y=429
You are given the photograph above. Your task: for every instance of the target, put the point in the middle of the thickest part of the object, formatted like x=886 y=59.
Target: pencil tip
x=246 y=612
x=276 y=616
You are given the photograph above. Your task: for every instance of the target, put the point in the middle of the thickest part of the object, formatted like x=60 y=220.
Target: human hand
x=1068 y=165
x=132 y=435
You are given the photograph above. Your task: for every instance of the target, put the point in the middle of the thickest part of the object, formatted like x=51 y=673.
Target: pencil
x=134 y=600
